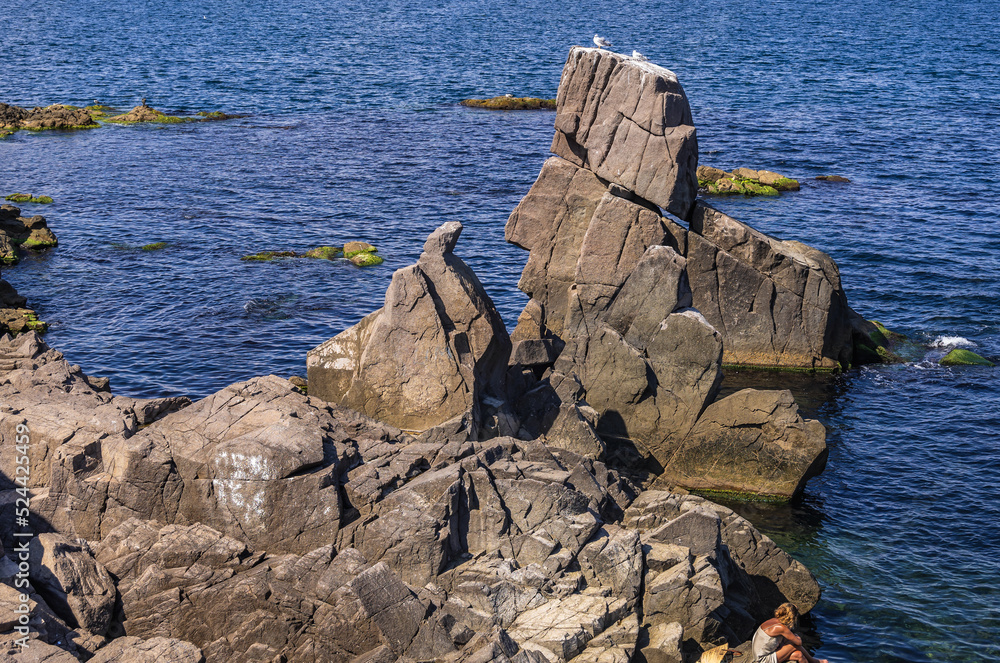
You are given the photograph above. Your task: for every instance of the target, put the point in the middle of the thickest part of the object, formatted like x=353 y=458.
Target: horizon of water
x=353 y=132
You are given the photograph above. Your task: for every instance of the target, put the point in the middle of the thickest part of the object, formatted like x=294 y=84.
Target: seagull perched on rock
x=601 y=42
x=509 y=95
x=636 y=55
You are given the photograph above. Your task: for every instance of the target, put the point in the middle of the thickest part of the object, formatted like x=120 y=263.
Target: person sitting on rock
x=775 y=641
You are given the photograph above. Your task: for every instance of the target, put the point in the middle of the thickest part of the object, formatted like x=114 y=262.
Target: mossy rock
x=324 y=252
x=752 y=188
x=265 y=256
x=20 y=320
x=39 y=244
x=6 y=132
x=743 y=181
x=511 y=103
x=833 y=178
x=962 y=357
x=785 y=184
x=215 y=116
x=145 y=114
x=155 y=246
x=28 y=198
x=352 y=249
x=366 y=260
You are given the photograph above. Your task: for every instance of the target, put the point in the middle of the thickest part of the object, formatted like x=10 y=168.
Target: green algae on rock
x=19 y=320
x=366 y=260
x=266 y=256
x=511 y=103
x=215 y=116
x=352 y=249
x=743 y=181
x=28 y=198
x=155 y=246
x=145 y=114
x=962 y=357
x=324 y=252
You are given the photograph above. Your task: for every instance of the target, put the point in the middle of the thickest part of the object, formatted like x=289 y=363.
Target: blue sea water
x=353 y=132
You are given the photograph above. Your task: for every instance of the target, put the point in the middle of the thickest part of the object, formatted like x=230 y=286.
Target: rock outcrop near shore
x=645 y=312
x=442 y=493
x=56 y=116
x=18 y=233
x=263 y=524
x=430 y=355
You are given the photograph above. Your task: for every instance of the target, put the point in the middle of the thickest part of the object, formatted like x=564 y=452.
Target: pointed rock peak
x=443 y=240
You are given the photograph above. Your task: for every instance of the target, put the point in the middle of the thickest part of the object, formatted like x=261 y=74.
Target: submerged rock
x=963 y=357
x=833 y=178
x=28 y=198
x=360 y=254
x=324 y=252
x=508 y=102
x=266 y=256
x=155 y=246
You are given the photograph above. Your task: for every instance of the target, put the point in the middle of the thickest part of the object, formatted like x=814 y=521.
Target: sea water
x=353 y=132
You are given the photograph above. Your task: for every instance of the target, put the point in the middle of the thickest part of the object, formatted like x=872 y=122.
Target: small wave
x=952 y=342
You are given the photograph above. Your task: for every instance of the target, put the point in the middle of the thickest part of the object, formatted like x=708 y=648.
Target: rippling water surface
x=353 y=132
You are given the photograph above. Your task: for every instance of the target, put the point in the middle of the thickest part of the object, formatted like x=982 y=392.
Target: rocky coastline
x=447 y=490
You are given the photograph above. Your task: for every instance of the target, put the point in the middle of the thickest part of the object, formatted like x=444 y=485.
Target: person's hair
x=787 y=614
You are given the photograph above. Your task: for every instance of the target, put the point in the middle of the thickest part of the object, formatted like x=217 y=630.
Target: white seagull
x=636 y=55
x=601 y=42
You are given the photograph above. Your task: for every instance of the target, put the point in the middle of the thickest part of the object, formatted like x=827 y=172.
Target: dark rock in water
x=431 y=354
x=14 y=317
x=629 y=123
x=17 y=231
x=56 y=116
x=963 y=357
x=832 y=178
x=509 y=102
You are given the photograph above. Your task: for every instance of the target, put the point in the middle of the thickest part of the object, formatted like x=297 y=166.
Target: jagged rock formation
x=454 y=502
x=643 y=312
x=776 y=303
x=629 y=122
x=383 y=546
x=431 y=354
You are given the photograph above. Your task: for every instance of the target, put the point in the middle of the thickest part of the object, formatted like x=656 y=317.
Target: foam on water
x=952 y=342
